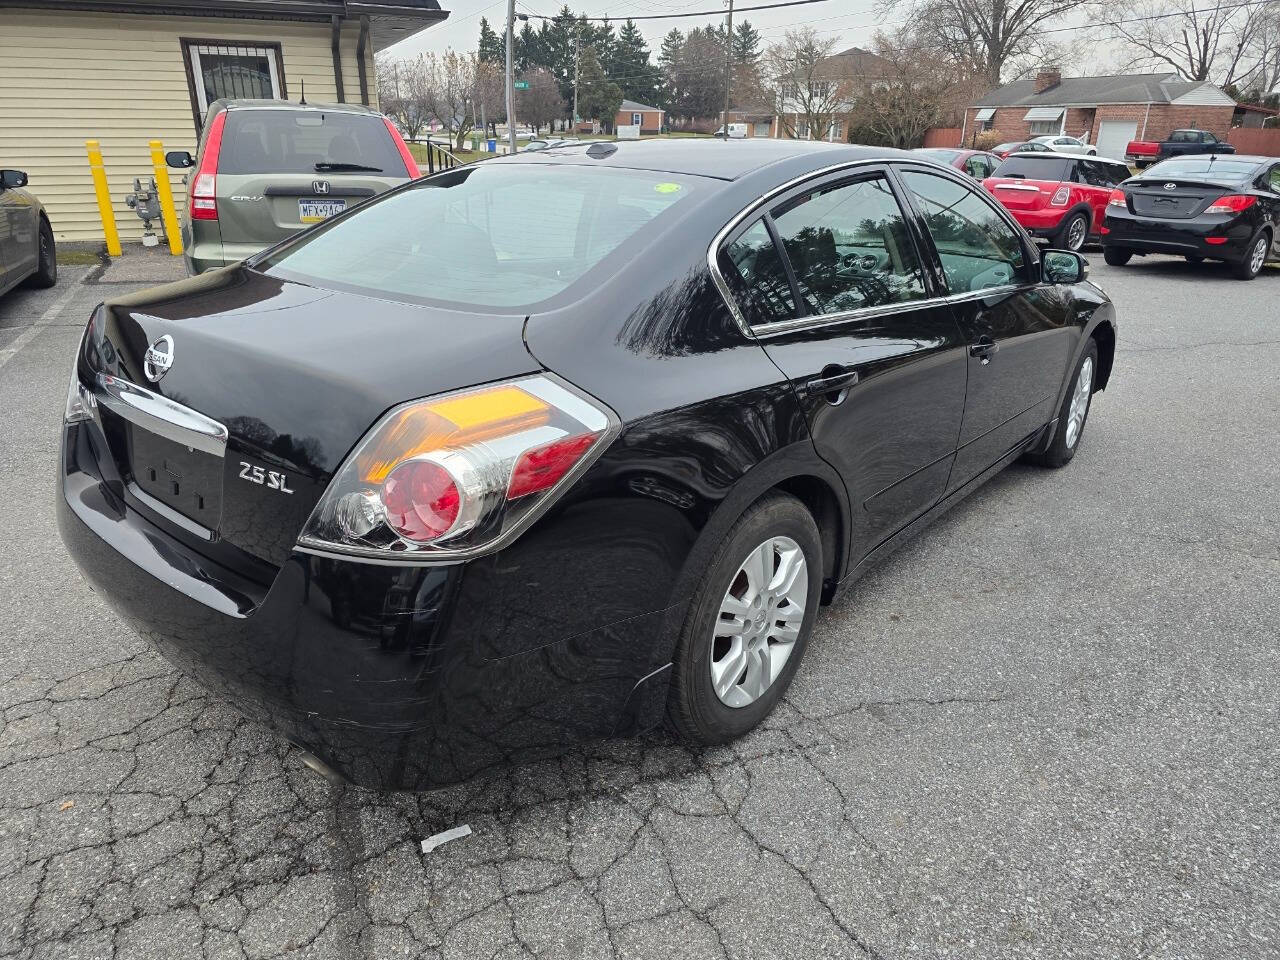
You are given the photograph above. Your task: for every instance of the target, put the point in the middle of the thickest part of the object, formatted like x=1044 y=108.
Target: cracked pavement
x=1046 y=728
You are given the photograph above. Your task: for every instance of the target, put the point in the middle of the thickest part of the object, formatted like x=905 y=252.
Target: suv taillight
x=1231 y=203
x=1061 y=196
x=409 y=163
x=203 y=198
x=460 y=474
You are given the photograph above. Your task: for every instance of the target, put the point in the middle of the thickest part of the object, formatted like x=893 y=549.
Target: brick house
x=648 y=119
x=1107 y=111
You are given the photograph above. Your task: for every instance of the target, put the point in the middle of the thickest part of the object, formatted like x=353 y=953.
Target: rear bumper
x=1179 y=237
x=1041 y=223
x=393 y=676
x=213 y=254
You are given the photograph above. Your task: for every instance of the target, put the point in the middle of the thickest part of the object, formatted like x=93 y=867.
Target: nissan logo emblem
x=320 y=186
x=158 y=359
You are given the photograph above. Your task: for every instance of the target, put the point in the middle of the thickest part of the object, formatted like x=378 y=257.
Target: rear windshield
x=1218 y=168
x=484 y=235
x=308 y=141
x=1030 y=167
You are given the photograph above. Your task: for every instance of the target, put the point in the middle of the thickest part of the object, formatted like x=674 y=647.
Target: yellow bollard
x=104 y=198
x=165 y=193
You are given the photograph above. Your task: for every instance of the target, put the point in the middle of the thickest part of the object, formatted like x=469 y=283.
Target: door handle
x=984 y=349
x=833 y=380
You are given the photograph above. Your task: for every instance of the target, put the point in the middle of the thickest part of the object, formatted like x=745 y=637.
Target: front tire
x=1073 y=413
x=1251 y=265
x=748 y=623
x=1116 y=256
x=46 y=274
x=1073 y=232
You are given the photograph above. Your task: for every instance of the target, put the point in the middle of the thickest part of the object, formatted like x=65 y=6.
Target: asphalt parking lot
x=1049 y=727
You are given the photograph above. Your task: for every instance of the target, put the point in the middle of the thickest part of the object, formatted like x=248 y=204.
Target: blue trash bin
x=491 y=145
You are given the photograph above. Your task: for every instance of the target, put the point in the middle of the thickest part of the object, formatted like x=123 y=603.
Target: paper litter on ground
x=445 y=836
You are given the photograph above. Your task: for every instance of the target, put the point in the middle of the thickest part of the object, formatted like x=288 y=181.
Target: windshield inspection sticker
x=667 y=188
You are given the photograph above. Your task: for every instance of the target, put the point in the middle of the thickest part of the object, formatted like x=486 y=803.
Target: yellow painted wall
x=67 y=77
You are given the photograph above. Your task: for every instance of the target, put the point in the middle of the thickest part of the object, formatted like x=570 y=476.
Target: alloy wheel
x=1079 y=402
x=1076 y=233
x=759 y=621
x=1259 y=255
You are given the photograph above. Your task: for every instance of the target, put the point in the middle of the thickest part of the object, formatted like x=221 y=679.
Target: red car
x=1057 y=195
x=978 y=164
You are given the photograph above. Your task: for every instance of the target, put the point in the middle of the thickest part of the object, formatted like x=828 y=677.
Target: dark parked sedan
x=27 y=251
x=1204 y=208
x=427 y=496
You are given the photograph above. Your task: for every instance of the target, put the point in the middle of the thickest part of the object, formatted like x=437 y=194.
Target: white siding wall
x=67 y=77
x=1205 y=95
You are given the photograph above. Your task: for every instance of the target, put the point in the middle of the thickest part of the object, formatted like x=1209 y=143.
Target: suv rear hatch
x=279 y=170
x=281 y=367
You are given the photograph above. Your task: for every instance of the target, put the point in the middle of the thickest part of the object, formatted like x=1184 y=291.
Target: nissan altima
x=561 y=445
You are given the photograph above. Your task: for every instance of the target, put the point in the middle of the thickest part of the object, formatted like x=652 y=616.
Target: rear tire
x=1073 y=233
x=1251 y=265
x=46 y=274
x=1074 y=412
x=1116 y=256
x=745 y=635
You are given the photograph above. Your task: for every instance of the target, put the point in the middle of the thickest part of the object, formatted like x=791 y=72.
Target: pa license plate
x=313 y=211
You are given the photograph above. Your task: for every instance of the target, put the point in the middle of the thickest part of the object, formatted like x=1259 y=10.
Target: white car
x=1061 y=143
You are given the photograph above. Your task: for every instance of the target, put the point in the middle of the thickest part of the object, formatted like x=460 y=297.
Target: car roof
x=721 y=159
x=229 y=103
x=1248 y=157
x=1052 y=154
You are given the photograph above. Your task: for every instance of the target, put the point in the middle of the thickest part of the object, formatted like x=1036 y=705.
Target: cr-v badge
x=158 y=359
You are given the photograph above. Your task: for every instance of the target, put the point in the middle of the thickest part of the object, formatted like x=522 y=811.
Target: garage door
x=1114 y=136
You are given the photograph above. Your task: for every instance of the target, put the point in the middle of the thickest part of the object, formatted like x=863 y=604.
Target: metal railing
x=438 y=158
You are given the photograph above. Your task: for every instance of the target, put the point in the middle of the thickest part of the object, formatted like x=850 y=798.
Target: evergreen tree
x=556 y=41
x=493 y=48
x=668 y=58
x=746 y=44
x=598 y=97
x=639 y=79
x=526 y=49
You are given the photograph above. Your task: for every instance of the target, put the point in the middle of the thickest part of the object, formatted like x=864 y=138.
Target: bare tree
x=400 y=86
x=915 y=90
x=541 y=103
x=808 y=85
x=1224 y=42
x=449 y=91
x=491 y=95
x=984 y=37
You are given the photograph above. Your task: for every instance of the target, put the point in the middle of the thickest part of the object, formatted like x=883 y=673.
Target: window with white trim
x=1043 y=128
x=232 y=70
x=635 y=119
x=802 y=129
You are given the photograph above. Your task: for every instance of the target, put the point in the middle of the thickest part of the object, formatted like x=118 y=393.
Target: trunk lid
x=1172 y=199
x=296 y=374
x=1019 y=194
x=281 y=170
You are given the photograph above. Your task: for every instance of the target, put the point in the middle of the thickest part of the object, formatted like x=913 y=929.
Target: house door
x=1114 y=136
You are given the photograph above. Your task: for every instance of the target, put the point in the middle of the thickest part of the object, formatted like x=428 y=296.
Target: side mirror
x=180 y=159
x=1063 y=266
x=12 y=179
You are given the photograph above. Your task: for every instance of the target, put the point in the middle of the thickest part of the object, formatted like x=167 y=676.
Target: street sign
x=522 y=84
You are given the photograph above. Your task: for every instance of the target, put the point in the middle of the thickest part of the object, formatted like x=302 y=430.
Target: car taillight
x=203 y=199
x=1231 y=203
x=1116 y=199
x=409 y=163
x=460 y=474
x=1061 y=196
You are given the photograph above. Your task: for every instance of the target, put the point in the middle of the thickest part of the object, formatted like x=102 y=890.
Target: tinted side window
x=760 y=279
x=849 y=247
x=1275 y=178
x=978 y=249
x=1095 y=174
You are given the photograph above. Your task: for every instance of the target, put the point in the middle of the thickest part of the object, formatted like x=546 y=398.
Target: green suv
x=266 y=169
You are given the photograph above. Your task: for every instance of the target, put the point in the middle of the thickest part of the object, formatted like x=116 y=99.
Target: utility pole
x=728 y=66
x=511 y=77
x=576 y=45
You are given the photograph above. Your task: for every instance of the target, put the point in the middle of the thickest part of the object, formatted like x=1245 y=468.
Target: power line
x=696 y=13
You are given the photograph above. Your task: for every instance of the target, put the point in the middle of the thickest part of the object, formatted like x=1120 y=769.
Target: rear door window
x=761 y=276
x=308 y=142
x=849 y=247
x=977 y=247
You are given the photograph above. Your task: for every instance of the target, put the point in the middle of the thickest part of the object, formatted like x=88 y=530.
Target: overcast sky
x=850 y=22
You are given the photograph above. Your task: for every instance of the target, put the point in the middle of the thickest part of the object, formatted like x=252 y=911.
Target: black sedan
x=1204 y=208
x=562 y=444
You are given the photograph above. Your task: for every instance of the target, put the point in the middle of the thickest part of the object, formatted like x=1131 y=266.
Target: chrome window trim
x=713 y=250
x=814 y=321
x=160 y=415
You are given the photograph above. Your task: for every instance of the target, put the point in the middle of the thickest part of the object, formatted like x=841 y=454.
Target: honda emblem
x=320 y=186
